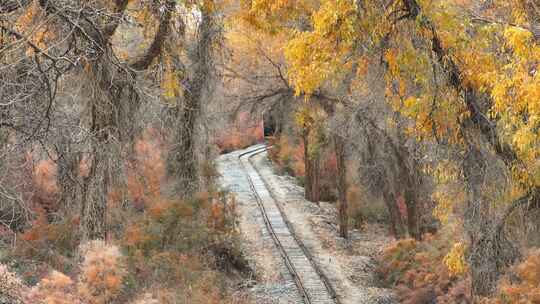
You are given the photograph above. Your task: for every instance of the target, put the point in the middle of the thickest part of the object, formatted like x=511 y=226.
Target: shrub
x=46 y=188
x=56 y=288
x=146 y=298
x=36 y=242
x=12 y=289
x=522 y=284
x=102 y=272
x=243 y=132
x=418 y=271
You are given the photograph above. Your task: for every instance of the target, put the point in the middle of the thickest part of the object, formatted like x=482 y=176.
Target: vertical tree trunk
x=315 y=177
x=183 y=164
x=67 y=174
x=307 y=166
x=396 y=223
x=94 y=202
x=412 y=214
x=182 y=159
x=105 y=152
x=312 y=169
x=339 y=147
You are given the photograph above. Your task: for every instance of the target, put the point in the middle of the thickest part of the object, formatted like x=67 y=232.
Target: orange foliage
x=524 y=289
x=102 y=272
x=56 y=288
x=44 y=188
x=418 y=272
x=146 y=173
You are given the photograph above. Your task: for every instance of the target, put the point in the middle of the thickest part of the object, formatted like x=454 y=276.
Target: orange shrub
x=244 y=131
x=102 y=272
x=525 y=287
x=41 y=183
x=287 y=154
x=56 y=288
x=417 y=271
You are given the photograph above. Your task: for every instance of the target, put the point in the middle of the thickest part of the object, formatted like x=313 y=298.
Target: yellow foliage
x=519 y=40
x=455 y=259
x=316 y=55
x=170 y=82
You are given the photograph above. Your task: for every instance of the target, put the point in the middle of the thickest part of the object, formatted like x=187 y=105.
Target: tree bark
x=307 y=166
x=339 y=148
x=315 y=161
x=412 y=214
x=312 y=169
x=396 y=222
x=183 y=164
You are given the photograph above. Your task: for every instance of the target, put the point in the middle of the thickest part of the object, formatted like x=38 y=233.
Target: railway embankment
x=349 y=267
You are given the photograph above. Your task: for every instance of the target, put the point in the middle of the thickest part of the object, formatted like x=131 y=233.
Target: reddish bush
x=56 y=288
x=522 y=284
x=40 y=182
x=287 y=154
x=102 y=272
x=145 y=172
x=243 y=132
x=418 y=272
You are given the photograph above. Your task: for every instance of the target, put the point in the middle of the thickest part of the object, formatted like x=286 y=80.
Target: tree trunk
x=396 y=222
x=94 y=202
x=312 y=169
x=315 y=177
x=307 y=166
x=105 y=151
x=183 y=164
x=183 y=160
x=67 y=174
x=412 y=214
x=339 y=147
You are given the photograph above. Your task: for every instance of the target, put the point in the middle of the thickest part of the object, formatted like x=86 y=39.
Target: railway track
x=313 y=285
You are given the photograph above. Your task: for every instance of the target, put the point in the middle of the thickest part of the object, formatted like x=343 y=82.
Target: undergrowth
x=159 y=248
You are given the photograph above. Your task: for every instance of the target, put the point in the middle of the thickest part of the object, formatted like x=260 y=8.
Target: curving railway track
x=313 y=286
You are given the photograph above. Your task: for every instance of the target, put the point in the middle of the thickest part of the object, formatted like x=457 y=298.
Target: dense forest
x=420 y=116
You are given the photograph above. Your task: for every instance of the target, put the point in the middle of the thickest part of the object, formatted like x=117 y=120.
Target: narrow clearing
x=349 y=266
